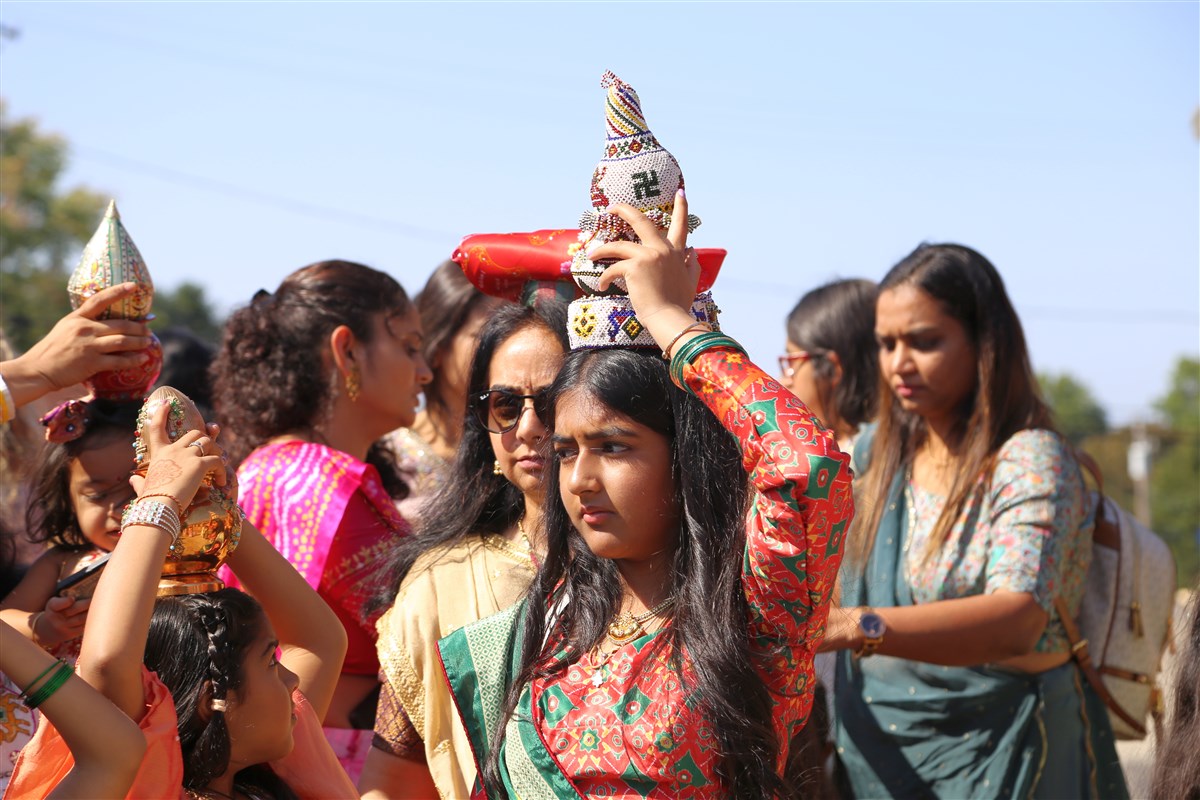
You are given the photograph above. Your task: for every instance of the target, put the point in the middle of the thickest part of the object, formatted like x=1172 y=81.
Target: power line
x=326 y=213
x=1105 y=316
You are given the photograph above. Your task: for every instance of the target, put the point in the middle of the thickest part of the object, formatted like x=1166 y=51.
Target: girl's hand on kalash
x=177 y=469
x=661 y=273
x=114 y=638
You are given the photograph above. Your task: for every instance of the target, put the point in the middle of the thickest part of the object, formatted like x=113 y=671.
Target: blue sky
x=820 y=140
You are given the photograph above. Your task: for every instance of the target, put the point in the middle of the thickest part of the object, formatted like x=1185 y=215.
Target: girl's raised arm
x=106 y=745
x=114 y=639
x=310 y=634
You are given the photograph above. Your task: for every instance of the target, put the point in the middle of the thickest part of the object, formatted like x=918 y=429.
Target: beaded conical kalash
x=211 y=525
x=636 y=169
x=111 y=258
x=525 y=267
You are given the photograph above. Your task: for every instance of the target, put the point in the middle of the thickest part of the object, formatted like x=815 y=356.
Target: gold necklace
x=207 y=794
x=627 y=627
x=528 y=544
x=621 y=631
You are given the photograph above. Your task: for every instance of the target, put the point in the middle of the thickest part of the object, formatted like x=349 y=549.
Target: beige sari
x=445 y=590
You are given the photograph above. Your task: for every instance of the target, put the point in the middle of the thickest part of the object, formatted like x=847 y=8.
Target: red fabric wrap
x=501 y=264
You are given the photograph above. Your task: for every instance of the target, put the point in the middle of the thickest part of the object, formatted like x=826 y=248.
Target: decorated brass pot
x=110 y=258
x=211 y=525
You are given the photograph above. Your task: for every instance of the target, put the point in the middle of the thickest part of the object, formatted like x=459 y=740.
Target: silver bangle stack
x=157 y=515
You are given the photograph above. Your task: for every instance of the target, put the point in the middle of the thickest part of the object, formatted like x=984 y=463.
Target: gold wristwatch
x=873 y=628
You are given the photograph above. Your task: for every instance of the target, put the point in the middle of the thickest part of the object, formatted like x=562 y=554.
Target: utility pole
x=1141 y=448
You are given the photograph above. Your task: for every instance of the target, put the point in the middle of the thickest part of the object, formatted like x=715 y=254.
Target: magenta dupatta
x=296 y=493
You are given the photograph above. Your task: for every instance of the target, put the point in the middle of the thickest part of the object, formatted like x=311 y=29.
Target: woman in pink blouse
x=307 y=381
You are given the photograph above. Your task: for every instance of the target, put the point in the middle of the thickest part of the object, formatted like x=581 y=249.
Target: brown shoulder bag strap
x=1079 y=651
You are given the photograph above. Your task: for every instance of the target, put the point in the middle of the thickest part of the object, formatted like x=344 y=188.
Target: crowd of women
x=657 y=572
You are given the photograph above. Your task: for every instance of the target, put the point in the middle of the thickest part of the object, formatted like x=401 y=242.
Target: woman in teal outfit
x=954 y=677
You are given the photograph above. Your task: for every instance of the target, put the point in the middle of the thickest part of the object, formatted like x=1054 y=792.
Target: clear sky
x=819 y=140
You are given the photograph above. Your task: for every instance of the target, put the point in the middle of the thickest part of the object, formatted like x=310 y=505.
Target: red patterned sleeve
x=802 y=501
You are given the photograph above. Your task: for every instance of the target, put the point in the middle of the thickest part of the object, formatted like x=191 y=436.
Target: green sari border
x=481 y=661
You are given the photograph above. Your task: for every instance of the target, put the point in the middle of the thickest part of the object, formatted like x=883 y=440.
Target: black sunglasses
x=499 y=410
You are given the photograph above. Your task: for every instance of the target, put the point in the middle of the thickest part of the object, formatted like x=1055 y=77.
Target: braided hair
x=196 y=644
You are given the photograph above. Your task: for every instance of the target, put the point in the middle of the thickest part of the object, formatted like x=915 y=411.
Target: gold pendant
x=624 y=629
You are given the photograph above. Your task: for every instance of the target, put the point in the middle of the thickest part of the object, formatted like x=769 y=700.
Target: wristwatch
x=873 y=628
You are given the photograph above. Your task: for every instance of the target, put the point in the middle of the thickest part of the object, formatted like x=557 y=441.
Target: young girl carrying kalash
x=228 y=693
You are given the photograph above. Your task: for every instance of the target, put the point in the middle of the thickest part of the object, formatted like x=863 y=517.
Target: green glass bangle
x=51 y=686
x=695 y=346
x=705 y=341
x=683 y=356
x=34 y=682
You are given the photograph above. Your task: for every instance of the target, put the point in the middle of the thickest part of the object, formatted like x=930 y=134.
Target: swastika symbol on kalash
x=645 y=184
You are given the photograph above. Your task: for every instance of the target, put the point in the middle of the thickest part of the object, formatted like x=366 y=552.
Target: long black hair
x=475 y=501
x=705 y=575
x=196 y=644
x=49 y=514
x=1005 y=399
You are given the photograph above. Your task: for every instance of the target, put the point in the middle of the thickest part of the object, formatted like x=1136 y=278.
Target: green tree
x=1076 y=411
x=187 y=307
x=1175 y=477
x=41 y=228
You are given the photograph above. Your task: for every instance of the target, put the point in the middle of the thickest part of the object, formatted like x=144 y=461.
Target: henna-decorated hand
x=178 y=468
x=230 y=487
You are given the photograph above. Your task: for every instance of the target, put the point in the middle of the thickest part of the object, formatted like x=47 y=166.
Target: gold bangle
x=666 y=354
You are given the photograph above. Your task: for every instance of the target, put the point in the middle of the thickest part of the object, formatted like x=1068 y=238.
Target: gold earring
x=496 y=468
x=353 y=384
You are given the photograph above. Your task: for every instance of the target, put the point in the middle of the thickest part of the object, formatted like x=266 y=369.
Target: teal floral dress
x=916 y=730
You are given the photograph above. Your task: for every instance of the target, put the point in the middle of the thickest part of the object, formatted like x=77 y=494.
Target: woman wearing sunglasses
x=472 y=555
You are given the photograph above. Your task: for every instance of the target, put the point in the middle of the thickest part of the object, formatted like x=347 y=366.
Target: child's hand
x=178 y=468
x=61 y=621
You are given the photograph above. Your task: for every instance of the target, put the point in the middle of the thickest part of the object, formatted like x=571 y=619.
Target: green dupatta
x=915 y=730
x=481 y=661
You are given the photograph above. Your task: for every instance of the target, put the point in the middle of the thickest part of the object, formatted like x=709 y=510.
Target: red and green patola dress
x=627 y=726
